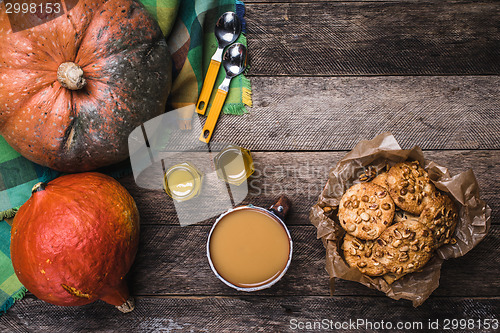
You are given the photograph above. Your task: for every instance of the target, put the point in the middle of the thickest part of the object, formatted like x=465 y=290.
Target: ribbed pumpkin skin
x=73 y=242
x=126 y=65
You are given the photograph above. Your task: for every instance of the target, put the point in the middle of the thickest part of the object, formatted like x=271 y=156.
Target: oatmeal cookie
x=366 y=210
x=404 y=247
x=440 y=216
x=358 y=253
x=410 y=187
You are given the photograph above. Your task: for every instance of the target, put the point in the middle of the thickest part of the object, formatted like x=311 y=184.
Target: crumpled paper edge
x=473 y=225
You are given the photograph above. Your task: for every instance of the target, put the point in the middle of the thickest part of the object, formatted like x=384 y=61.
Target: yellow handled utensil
x=234 y=62
x=227 y=29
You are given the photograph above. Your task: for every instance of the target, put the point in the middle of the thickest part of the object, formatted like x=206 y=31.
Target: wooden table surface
x=325 y=75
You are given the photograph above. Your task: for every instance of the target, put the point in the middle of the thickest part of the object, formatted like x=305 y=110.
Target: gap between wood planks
x=250 y=75
x=243 y=297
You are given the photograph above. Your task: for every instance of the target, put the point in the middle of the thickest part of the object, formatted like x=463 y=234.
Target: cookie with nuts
x=366 y=210
x=410 y=186
x=358 y=253
x=404 y=247
x=440 y=216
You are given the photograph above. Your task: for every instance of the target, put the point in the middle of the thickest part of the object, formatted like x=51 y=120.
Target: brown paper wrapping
x=473 y=225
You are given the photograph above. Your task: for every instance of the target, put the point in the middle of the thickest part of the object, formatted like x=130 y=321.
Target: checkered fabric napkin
x=188 y=26
x=192 y=43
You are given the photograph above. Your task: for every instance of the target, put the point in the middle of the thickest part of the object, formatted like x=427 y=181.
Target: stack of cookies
x=395 y=222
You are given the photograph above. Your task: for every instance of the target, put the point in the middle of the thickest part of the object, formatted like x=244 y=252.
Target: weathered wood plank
x=302 y=176
x=307 y=1
x=334 y=113
x=370 y=38
x=172 y=261
x=244 y=314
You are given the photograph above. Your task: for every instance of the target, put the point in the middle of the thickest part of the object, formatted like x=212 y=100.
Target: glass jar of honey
x=182 y=181
x=234 y=164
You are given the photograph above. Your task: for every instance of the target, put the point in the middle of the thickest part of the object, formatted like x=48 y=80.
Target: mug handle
x=281 y=207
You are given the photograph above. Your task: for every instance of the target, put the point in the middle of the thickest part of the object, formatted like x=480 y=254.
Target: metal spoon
x=234 y=62
x=227 y=29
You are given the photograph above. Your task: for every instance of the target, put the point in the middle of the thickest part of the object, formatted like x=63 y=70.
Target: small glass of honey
x=182 y=181
x=234 y=164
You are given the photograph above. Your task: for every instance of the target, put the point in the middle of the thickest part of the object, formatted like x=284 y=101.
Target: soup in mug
x=249 y=248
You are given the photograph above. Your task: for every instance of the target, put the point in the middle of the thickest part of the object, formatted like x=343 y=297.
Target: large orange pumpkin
x=73 y=87
x=75 y=239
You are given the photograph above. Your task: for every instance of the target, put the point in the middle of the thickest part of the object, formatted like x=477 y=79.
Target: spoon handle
x=213 y=116
x=208 y=85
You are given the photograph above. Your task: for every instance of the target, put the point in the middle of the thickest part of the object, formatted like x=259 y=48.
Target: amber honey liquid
x=180 y=183
x=249 y=248
x=233 y=165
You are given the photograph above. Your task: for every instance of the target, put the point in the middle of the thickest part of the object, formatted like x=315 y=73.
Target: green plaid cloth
x=17 y=177
x=188 y=26
x=192 y=43
x=10 y=287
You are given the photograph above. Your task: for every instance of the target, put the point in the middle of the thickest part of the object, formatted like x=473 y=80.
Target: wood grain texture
x=239 y=314
x=306 y=1
x=335 y=113
x=323 y=1
x=373 y=38
x=302 y=175
x=325 y=75
x=172 y=261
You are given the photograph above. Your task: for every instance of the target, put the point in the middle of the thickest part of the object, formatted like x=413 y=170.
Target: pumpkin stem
x=119 y=297
x=128 y=306
x=70 y=76
x=38 y=187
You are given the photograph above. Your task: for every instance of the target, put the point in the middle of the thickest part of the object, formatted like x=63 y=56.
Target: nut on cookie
x=366 y=210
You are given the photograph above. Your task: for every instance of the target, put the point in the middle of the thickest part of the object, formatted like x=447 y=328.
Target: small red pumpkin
x=75 y=239
x=73 y=86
